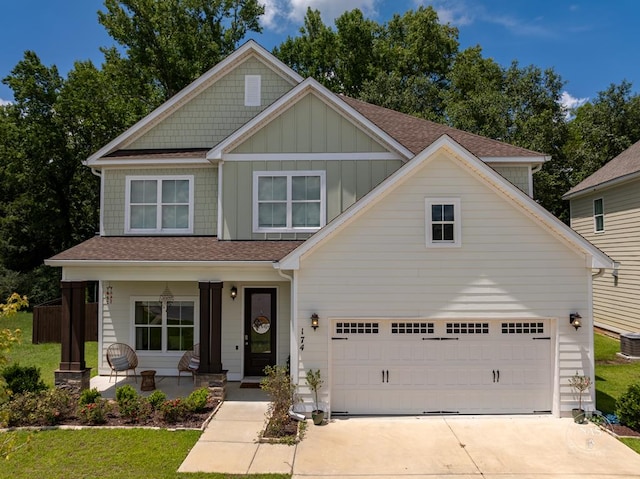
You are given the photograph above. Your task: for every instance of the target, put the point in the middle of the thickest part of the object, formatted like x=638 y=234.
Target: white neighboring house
x=260 y=200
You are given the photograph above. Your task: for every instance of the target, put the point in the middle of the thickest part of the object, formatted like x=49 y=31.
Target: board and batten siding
x=616 y=302
x=117 y=323
x=518 y=175
x=205 y=196
x=508 y=267
x=346 y=180
x=310 y=126
x=216 y=112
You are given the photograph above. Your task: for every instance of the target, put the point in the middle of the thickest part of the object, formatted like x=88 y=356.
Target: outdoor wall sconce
x=314 y=321
x=574 y=320
x=234 y=292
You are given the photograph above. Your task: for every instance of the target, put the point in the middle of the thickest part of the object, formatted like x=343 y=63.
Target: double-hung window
x=159 y=204
x=443 y=222
x=164 y=326
x=598 y=215
x=288 y=201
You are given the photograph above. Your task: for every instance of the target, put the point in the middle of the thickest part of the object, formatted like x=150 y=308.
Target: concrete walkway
x=526 y=447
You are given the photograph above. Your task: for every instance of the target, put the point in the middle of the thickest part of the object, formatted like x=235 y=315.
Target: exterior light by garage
x=234 y=292
x=314 y=321
x=574 y=320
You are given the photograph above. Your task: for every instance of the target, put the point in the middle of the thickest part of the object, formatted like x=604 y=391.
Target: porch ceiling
x=174 y=248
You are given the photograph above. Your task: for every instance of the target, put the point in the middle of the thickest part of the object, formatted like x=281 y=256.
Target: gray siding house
x=403 y=258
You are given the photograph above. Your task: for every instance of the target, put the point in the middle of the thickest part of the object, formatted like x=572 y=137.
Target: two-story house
x=269 y=220
x=605 y=209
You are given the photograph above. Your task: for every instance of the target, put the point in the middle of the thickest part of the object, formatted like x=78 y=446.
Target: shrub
x=89 y=396
x=280 y=389
x=173 y=410
x=94 y=412
x=628 y=407
x=132 y=406
x=37 y=409
x=156 y=398
x=197 y=400
x=23 y=379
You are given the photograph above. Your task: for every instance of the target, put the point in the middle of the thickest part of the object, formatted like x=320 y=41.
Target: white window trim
x=164 y=350
x=457 y=224
x=289 y=175
x=158 y=229
x=595 y=223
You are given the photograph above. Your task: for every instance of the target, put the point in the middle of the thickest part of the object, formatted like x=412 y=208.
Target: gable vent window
x=252 y=90
x=598 y=215
x=443 y=222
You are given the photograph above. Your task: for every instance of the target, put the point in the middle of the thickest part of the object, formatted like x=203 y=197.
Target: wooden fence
x=47 y=320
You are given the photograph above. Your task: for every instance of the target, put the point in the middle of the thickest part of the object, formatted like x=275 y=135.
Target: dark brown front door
x=259 y=330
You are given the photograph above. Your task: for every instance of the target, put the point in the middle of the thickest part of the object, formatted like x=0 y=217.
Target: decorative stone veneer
x=73 y=381
x=216 y=382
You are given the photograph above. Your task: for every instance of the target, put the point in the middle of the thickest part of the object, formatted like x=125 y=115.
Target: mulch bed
x=621 y=430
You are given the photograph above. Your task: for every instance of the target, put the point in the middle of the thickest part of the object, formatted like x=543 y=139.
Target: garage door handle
x=387 y=375
x=494 y=375
x=498 y=375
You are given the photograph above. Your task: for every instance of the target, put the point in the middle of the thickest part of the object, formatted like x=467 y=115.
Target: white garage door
x=435 y=367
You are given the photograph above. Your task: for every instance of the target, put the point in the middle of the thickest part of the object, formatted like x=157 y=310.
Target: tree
x=174 y=41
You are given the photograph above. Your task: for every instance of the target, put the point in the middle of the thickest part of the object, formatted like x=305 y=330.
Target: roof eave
x=601 y=186
x=151 y=263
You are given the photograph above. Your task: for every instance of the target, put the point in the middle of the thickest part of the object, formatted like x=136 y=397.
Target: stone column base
x=216 y=382
x=73 y=381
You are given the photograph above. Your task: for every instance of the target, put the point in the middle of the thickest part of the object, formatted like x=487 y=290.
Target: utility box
x=630 y=344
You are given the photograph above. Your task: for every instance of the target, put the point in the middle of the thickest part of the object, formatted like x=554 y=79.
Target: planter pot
x=318 y=417
x=578 y=416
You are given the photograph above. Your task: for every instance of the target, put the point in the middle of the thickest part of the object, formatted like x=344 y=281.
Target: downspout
x=598 y=274
x=293 y=326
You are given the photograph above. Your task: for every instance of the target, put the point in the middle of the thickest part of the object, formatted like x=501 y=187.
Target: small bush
x=280 y=389
x=156 y=398
x=89 y=396
x=23 y=379
x=131 y=405
x=37 y=409
x=173 y=410
x=125 y=393
x=628 y=407
x=197 y=400
x=94 y=412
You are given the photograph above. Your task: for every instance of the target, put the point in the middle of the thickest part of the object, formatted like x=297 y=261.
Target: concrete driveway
x=462 y=447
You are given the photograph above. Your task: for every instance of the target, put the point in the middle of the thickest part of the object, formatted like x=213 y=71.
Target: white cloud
x=280 y=12
x=4 y=102
x=570 y=103
x=455 y=12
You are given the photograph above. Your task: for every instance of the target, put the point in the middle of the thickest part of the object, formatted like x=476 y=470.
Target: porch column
x=72 y=373
x=210 y=327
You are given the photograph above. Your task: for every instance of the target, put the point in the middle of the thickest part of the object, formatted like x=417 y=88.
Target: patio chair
x=121 y=357
x=190 y=362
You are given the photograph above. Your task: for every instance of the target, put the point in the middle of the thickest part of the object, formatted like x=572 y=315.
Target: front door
x=259 y=330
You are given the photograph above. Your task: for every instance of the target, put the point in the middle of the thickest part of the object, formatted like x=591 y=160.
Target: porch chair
x=190 y=362
x=121 y=357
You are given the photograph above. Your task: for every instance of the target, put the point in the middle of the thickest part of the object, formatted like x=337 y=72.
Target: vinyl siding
x=347 y=182
x=518 y=175
x=508 y=267
x=118 y=323
x=616 y=303
x=205 y=197
x=216 y=112
x=309 y=126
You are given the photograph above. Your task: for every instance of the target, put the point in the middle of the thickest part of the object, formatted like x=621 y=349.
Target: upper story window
x=598 y=215
x=443 y=222
x=159 y=204
x=288 y=201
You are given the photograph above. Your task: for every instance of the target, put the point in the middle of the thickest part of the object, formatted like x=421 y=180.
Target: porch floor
x=169 y=385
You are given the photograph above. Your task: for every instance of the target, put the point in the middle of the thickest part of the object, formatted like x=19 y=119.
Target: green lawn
x=613 y=376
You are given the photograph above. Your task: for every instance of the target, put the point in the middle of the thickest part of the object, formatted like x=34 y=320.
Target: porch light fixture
x=166 y=296
x=314 y=321
x=234 y=292
x=574 y=320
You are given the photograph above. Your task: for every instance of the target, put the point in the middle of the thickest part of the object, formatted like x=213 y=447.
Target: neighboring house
x=605 y=209
x=255 y=201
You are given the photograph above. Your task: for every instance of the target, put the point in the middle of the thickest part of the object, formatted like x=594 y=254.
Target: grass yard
x=613 y=375
x=107 y=454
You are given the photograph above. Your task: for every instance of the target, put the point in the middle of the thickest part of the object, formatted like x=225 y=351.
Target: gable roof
x=307 y=86
x=416 y=134
x=625 y=166
x=248 y=49
x=595 y=258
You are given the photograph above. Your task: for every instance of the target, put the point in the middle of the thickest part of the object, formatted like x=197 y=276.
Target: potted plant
x=315 y=382
x=580 y=384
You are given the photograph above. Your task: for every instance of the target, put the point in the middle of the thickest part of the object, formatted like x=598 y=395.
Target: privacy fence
x=47 y=320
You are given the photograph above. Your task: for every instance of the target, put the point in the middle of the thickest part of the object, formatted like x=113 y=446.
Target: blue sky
x=590 y=43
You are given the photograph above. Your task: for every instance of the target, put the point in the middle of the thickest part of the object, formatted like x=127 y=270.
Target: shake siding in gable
x=205 y=196
x=616 y=303
x=347 y=182
x=216 y=112
x=508 y=267
x=518 y=175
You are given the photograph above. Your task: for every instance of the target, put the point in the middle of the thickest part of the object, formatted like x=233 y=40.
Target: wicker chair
x=190 y=362
x=121 y=357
